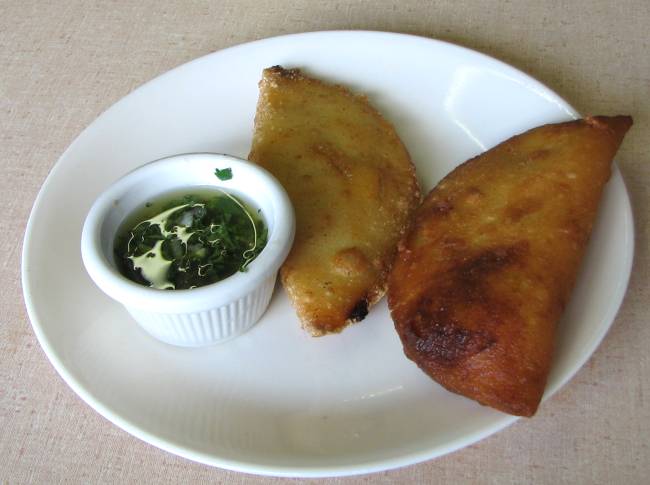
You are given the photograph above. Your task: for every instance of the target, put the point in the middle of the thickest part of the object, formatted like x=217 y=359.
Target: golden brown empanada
x=483 y=276
x=353 y=188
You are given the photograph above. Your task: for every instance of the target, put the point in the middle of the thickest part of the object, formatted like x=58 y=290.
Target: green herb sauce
x=182 y=241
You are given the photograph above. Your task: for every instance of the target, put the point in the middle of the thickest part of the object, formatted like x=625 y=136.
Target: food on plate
x=484 y=274
x=186 y=240
x=353 y=187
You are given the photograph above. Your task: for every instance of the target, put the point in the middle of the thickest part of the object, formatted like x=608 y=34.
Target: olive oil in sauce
x=187 y=239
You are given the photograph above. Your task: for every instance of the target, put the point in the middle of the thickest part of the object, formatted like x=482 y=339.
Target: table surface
x=63 y=63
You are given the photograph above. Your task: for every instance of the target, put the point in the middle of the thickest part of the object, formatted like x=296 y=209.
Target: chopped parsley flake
x=223 y=173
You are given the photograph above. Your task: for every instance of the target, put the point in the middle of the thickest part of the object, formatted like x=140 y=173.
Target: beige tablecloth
x=62 y=63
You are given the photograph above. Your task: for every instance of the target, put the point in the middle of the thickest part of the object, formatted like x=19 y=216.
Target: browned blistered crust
x=484 y=275
x=353 y=188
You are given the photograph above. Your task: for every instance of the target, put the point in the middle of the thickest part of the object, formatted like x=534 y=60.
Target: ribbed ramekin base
x=210 y=326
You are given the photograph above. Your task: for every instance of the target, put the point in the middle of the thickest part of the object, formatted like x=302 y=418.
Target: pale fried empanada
x=353 y=188
x=482 y=278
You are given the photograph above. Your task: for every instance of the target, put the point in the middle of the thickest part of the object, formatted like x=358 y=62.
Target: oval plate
x=276 y=401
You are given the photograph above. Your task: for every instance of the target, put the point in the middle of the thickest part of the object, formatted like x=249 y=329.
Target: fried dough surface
x=484 y=274
x=352 y=185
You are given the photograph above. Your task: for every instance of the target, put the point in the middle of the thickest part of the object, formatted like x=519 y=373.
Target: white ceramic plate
x=277 y=401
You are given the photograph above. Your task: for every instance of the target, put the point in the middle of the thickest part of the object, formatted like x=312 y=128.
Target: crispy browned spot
x=522 y=207
x=473 y=196
x=537 y=154
x=442 y=207
x=359 y=311
x=473 y=271
x=437 y=338
x=435 y=330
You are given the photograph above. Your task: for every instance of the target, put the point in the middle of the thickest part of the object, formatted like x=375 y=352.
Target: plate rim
x=369 y=466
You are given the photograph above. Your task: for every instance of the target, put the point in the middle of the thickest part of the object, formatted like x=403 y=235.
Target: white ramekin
x=212 y=313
